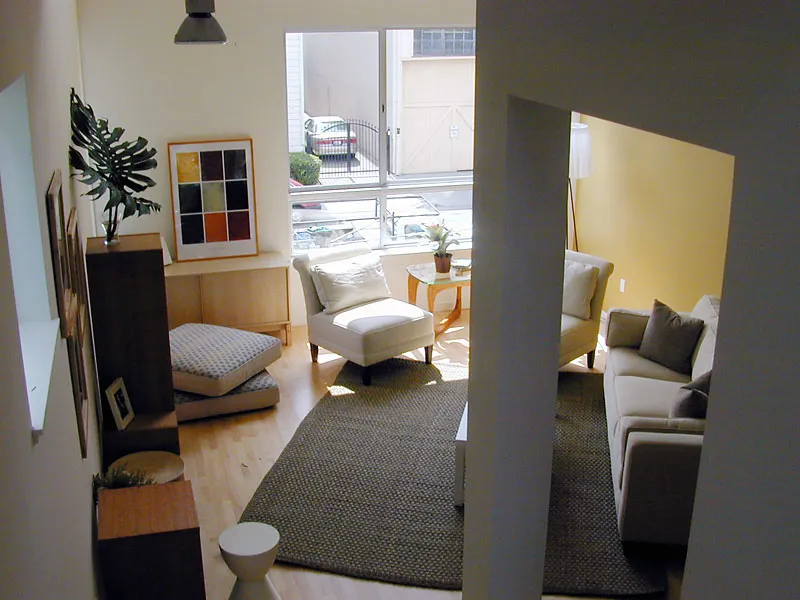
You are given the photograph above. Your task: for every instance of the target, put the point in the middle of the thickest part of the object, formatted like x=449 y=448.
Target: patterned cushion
x=212 y=360
x=259 y=391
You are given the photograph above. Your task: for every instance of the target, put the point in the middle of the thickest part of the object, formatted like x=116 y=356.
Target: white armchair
x=579 y=335
x=364 y=332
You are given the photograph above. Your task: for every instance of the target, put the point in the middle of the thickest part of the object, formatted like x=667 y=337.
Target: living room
x=50 y=469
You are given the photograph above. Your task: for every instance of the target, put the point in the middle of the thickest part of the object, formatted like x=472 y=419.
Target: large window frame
x=385 y=188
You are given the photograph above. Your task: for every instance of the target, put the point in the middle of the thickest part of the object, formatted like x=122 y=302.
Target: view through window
x=381 y=133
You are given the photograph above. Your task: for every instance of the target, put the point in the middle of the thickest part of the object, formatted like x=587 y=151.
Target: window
x=38 y=331
x=444 y=42
x=380 y=137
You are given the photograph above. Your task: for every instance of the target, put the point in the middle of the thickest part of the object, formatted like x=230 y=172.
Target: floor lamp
x=580 y=164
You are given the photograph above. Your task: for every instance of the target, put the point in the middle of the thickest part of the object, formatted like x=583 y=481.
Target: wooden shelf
x=250 y=293
x=128 y=307
x=147 y=431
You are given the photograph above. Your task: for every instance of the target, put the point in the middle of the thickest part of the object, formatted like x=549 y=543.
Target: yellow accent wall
x=658 y=209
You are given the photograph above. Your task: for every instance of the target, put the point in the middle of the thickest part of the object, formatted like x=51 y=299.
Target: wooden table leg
x=413 y=285
x=454 y=314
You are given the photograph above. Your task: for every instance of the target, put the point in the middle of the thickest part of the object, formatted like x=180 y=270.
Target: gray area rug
x=365 y=486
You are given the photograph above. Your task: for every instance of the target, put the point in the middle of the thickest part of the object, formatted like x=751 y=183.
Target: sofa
x=582 y=305
x=654 y=458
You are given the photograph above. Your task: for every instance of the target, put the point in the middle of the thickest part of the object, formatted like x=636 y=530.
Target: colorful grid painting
x=213 y=199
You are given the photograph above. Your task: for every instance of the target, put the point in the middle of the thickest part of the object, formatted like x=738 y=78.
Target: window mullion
x=383 y=138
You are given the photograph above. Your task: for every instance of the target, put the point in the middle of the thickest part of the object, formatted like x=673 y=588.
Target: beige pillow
x=580 y=281
x=344 y=283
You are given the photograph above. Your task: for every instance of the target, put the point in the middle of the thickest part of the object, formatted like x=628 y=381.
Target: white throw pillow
x=344 y=283
x=580 y=281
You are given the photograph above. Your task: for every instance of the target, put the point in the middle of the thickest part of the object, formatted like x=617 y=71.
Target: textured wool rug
x=365 y=486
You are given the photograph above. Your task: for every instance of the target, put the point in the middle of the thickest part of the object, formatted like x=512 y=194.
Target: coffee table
x=437 y=282
x=461 y=452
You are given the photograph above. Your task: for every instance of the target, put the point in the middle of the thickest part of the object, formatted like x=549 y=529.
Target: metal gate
x=347 y=149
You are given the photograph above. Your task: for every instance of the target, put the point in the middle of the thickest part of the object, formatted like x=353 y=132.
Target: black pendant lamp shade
x=200 y=26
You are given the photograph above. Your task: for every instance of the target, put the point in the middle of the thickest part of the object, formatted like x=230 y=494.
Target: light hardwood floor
x=226 y=458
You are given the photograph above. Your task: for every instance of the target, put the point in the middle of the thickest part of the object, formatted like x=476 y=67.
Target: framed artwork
x=120 y=403
x=213 y=199
x=54 y=203
x=75 y=301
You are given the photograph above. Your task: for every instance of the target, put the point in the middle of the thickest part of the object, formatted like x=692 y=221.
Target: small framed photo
x=120 y=404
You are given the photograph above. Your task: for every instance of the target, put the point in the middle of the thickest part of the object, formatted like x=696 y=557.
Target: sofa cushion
x=212 y=360
x=691 y=401
x=670 y=339
x=707 y=308
x=628 y=362
x=344 y=283
x=644 y=397
x=580 y=281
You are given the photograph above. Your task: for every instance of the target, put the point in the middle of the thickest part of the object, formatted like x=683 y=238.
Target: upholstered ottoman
x=257 y=392
x=212 y=360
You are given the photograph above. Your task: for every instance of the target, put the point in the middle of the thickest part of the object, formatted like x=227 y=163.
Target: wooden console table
x=250 y=293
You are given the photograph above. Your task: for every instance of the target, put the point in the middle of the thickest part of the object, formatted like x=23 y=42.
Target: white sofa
x=654 y=459
x=579 y=336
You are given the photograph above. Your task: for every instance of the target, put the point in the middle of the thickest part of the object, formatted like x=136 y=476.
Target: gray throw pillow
x=691 y=401
x=669 y=339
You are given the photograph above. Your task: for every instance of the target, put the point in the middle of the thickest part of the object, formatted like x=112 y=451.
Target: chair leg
x=314 y=352
x=428 y=355
x=590 y=359
x=366 y=376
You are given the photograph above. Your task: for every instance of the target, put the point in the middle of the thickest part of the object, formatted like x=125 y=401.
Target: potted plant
x=441 y=240
x=114 y=166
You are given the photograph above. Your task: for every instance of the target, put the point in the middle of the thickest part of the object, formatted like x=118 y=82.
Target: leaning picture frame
x=213 y=199
x=120 y=403
x=54 y=203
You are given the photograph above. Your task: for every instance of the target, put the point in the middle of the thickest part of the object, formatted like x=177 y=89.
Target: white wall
x=341 y=75
x=722 y=75
x=137 y=77
x=295 y=92
x=45 y=498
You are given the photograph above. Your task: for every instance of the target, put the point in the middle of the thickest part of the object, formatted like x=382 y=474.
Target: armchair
x=363 y=331
x=579 y=335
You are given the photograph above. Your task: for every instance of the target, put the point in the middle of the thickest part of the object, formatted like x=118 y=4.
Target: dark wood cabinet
x=128 y=307
x=149 y=543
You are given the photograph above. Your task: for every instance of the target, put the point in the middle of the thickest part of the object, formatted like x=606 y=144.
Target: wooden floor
x=226 y=458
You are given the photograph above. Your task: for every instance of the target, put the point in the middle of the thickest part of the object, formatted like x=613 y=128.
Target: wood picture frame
x=120 y=403
x=54 y=204
x=213 y=199
x=75 y=303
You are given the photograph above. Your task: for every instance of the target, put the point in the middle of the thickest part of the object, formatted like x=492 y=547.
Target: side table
x=437 y=282
x=149 y=543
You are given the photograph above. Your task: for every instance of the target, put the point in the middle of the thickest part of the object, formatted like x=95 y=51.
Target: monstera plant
x=114 y=166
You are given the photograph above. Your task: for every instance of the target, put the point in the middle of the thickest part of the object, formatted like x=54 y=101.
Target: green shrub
x=304 y=167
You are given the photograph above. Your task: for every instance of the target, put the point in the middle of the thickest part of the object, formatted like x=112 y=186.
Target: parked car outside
x=328 y=136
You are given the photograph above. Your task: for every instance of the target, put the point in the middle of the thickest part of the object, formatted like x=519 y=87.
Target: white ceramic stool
x=249 y=549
